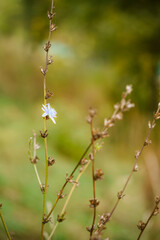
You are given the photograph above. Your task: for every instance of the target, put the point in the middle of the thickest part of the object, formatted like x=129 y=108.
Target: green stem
x=5 y=226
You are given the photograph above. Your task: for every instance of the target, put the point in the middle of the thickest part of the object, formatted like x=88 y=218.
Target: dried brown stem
x=93 y=179
x=154 y=213
x=120 y=194
x=71 y=175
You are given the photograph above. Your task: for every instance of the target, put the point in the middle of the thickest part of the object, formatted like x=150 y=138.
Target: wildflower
x=49 y=112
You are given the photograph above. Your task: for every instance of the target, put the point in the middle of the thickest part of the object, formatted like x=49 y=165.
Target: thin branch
x=4 y=224
x=104 y=219
x=142 y=226
x=70 y=176
x=121 y=107
x=47 y=47
x=93 y=180
x=68 y=198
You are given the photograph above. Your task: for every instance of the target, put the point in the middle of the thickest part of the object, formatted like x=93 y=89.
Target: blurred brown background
x=99 y=47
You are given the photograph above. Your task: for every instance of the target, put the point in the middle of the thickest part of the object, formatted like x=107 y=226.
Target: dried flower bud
x=53 y=27
x=149 y=125
x=43 y=71
x=45 y=220
x=51 y=15
x=136 y=168
x=84 y=161
x=61 y=218
x=91 y=156
x=137 y=154
x=129 y=89
x=61 y=196
x=48 y=94
x=104 y=218
x=89 y=119
x=43 y=188
x=120 y=195
x=117 y=106
x=157 y=199
x=34 y=160
x=0 y=205
x=47 y=46
x=51 y=161
x=98 y=174
x=94 y=203
x=44 y=135
x=92 y=112
x=156 y=211
x=50 y=60
x=147 y=142
x=68 y=178
x=141 y=225
x=119 y=116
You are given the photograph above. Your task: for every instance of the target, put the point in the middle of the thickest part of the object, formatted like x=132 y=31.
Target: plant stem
x=62 y=189
x=94 y=187
x=148 y=220
x=35 y=166
x=68 y=198
x=5 y=226
x=130 y=175
x=45 y=129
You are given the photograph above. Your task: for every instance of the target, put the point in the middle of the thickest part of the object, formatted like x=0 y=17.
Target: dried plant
x=141 y=225
x=87 y=158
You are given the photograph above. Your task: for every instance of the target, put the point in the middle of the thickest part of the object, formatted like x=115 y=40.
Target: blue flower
x=49 y=112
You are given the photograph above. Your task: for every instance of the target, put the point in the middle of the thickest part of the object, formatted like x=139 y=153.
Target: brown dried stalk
x=92 y=113
x=104 y=218
x=141 y=225
x=121 y=107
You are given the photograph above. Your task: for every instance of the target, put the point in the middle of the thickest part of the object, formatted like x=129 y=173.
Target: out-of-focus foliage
x=99 y=47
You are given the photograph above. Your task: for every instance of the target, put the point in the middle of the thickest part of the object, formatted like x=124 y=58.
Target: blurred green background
x=99 y=47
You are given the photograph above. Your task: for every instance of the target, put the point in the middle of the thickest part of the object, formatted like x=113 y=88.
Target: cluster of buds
x=69 y=179
x=48 y=94
x=53 y=27
x=99 y=134
x=47 y=46
x=157 y=201
x=157 y=114
x=44 y=135
x=84 y=161
x=43 y=71
x=98 y=175
x=141 y=225
x=43 y=188
x=51 y=161
x=46 y=220
x=94 y=203
x=61 y=218
x=151 y=125
x=120 y=195
x=92 y=113
x=34 y=160
x=147 y=142
x=60 y=195
x=104 y=218
x=136 y=167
